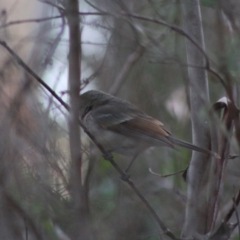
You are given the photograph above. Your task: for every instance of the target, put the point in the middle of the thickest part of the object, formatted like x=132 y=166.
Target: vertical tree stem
x=78 y=195
x=196 y=210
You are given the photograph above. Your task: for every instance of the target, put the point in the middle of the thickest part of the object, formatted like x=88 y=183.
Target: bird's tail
x=191 y=146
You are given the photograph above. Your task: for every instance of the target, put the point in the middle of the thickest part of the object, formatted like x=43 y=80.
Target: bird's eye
x=87 y=110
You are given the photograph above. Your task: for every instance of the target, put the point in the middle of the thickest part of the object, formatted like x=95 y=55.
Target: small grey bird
x=121 y=127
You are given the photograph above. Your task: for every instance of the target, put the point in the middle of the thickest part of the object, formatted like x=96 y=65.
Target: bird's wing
x=131 y=122
x=108 y=116
x=145 y=126
x=148 y=125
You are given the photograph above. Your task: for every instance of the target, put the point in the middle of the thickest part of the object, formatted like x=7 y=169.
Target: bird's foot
x=108 y=156
x=125 y=176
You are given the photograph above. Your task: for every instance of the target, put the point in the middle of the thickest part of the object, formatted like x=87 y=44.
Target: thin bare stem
x=131 y=60
x=106 y=154
x=28 y=220
x=53 y=46
x=161 y=22
x=32 y=20
x=174 y=28
x=231 y=211
x=166 y=175
x=165 y=230
x=237 y=216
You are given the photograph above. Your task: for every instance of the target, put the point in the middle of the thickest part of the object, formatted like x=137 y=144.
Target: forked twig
x=231 y=211
x=106 y=154
x=172 y=27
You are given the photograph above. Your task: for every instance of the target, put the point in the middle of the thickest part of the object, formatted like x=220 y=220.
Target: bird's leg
x=126 y=176
x=131 y=163
x=108 y=156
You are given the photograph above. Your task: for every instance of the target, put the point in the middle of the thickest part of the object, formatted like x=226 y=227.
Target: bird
x=121 y=127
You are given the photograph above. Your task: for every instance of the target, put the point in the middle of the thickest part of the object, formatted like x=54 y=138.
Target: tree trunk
x=197 y=176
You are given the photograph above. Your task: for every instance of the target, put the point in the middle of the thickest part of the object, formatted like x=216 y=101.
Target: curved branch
x=172 y=27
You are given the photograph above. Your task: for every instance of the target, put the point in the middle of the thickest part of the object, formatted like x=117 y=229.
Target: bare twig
x=166 y=175
x=38 y=20
x=33 y=20
x=29 y=221
x=97 y=8
x=31 y=72
x=131 y=60
x=223 y=232
x=220 y=141
x=166 y=231
x=161 y=22
x=187 y=36
x=174 y=28
x=54 y=44
x=237 y=216
x=86 y=81
x=231 y=211
x=106 y=154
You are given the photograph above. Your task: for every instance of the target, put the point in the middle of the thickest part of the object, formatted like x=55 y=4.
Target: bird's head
x=91 y=100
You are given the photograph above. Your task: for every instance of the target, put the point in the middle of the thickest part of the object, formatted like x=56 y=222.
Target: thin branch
x=237 y=216
x=172 y=27
x=106 y=154
x=86 y=81
x=31 y=72
x=28 y=220
x=187 y=36
x=217 y=75
x=231 y=211
x=38 y=20
x=165 y=230
x=220 y=141
x=131 y=60
x=97 y=8
x=166 y=175
x=161 y=22
x=32 y=20
x=56 y=41
x=176 y=29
